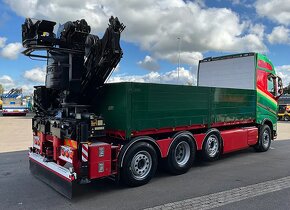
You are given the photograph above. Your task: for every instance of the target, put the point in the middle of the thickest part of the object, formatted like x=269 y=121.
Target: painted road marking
x=229 y=196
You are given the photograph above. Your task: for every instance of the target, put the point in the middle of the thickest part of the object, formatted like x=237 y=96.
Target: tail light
x=66 y=153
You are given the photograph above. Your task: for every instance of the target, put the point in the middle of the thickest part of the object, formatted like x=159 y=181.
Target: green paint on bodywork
x=267 y=108
x=141 y=106
x=265 y=59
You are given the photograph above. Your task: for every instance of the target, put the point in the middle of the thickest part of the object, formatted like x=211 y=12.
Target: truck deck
x=133 y=109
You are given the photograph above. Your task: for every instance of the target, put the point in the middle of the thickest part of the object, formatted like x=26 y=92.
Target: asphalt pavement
x=20 y=190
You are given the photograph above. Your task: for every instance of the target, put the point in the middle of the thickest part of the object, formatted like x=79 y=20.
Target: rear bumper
x=56 y=176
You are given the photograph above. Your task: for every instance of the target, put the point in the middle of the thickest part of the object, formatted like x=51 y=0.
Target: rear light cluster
x=36 y=142
x=66 y=154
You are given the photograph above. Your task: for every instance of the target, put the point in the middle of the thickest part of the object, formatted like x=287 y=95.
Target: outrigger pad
x=61 y=185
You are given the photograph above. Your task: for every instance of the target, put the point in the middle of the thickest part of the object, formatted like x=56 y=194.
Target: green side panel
x=114 y=104
x=233 y=105
x=143 y=106
x=162 y=106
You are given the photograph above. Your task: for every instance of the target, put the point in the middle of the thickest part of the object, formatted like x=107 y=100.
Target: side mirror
x=280 y=88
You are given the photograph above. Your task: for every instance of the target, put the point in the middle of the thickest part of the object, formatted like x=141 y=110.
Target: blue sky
x=150 y=40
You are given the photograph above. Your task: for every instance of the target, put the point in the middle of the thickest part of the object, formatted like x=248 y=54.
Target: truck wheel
x=264 y=141
x=181 y=155
x=211 y=148
x=287 y=118
x=140 y=164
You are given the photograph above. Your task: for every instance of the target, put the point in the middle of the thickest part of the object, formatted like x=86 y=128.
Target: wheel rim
x=141 y=165
x=212 y=145
x=182 y=153
x=266 y=138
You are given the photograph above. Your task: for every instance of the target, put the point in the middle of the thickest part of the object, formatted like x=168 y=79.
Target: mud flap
x=62 y=185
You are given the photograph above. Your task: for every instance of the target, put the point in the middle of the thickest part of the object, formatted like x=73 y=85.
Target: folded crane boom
x=102 y=56
x=78 y=62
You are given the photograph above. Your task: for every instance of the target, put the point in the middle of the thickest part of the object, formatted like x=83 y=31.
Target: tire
x=264 y=141
x=140 y=164
x=212 y=147
x=181 y=155
x=286 y=118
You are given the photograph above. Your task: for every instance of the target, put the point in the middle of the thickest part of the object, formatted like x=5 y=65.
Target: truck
x=284 y=107
x=86 y=128
x=12 y=103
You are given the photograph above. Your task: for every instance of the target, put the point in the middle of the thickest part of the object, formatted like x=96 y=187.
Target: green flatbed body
x=134 y=107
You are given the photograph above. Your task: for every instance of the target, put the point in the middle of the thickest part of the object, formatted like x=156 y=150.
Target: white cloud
x=149 y=63
x=279 y=35
x=275 y=10
x=283 y=68
x=35 y=75
x=27 y=89
x=11 y=50
x=2 y=41
x=190 y=58
x=7 y=82
x=155 y=25
x=257 y=29
x=186 y=77
x=284 y=72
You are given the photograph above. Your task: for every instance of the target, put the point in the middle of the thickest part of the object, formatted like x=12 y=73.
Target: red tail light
x=66 y=153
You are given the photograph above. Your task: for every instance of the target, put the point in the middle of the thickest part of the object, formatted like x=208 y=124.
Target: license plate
x=15 y=110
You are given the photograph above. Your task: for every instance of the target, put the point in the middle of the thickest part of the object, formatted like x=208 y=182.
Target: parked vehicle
x=284 y=108
x=13 y=103
x=85 y=129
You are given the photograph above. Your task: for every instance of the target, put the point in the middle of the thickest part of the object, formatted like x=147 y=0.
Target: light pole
x=178 y=67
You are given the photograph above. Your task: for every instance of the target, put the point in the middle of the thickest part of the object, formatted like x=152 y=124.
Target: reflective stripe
x=85 y=150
